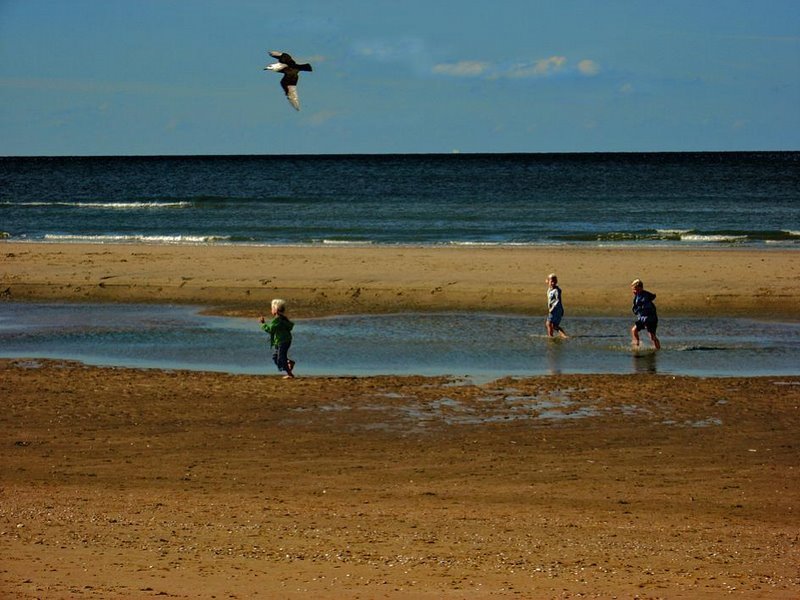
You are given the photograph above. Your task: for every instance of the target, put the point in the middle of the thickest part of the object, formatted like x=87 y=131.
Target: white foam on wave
x=491 y=244
x=674 y=232
x=467 y=243
x=133 y=205
x=713 y=238
x=347 y=242
x=144 y=239
x=108 y=205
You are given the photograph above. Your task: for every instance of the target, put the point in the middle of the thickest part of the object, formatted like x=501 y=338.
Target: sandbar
x=323 y=280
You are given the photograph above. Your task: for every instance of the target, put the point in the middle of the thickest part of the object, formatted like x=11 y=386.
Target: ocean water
x=180 y=337
x=621 y=199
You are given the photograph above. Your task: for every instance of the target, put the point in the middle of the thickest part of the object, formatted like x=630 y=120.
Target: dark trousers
x=280 y=356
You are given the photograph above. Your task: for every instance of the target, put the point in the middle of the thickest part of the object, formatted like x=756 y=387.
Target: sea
x=684 y=199
x=707 y=199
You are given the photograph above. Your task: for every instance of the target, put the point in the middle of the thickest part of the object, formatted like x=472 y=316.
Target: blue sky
x=89 y=77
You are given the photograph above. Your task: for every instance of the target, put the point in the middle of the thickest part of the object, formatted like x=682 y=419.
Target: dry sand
x=323 y=280
x=122 y=483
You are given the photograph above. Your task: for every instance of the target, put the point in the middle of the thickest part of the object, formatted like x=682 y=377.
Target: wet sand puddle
x=396 y=412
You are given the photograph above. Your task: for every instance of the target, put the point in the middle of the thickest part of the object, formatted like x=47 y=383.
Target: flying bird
x=291 y=73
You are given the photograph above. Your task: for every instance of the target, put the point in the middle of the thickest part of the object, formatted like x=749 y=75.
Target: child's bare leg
x=635 y=335
x=562 y=333
x=549 y=326
x=289 y=369
x=654 y=339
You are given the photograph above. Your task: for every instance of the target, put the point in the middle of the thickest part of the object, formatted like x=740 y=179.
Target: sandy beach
x=134 y=484
x=345 y=280
x=125 y=483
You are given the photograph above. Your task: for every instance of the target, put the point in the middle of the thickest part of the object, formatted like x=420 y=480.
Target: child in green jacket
x=280 y=337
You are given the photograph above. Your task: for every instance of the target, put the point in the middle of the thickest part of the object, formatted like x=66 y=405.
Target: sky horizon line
x=421 y=153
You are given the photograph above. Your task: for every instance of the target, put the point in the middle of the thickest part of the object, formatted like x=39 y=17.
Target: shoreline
x=330 y=280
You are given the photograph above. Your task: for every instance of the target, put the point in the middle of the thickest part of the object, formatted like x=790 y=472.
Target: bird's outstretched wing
x=291 y=96
x=284 y=57
x=289 y=85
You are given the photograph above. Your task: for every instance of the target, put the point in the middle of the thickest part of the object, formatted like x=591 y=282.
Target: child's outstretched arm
x=266 y=326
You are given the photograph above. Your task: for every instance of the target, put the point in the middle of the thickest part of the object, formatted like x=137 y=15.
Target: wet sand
x=134 y=484
x=123 y=483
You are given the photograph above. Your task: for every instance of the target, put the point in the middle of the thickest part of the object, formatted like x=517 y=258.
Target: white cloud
x=535 y=69
x=391 y=50
x=321 y=117
x=464 y=68
x=588 y=67
x=539 y=68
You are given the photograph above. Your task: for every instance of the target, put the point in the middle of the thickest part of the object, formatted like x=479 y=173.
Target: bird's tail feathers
x=304 y=67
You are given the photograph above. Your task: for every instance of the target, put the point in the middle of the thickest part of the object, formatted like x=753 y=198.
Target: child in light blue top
x=555 y=309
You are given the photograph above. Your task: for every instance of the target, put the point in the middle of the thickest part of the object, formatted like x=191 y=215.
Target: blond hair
x=278 y=305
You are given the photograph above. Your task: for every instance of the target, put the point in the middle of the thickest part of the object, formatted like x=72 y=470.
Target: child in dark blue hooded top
x=646 y=314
